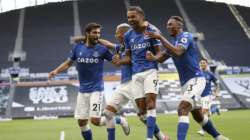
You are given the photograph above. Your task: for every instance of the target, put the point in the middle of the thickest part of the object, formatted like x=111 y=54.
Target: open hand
x=155 y=35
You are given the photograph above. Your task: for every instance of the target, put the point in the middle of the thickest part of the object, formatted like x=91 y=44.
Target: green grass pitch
x=233 y=124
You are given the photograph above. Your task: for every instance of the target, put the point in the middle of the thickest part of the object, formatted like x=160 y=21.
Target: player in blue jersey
x=123 y=93
x=207 y=94
x=185 y=56
x=89 y=57
x=144 y=69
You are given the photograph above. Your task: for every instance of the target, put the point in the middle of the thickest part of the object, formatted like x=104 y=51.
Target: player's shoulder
x=209 y=73
x=187 y=35
x=77 y=45
x=129 y=32
x=101 y=47
x=152 y=28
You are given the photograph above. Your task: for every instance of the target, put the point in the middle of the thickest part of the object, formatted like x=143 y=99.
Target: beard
x=94 y=41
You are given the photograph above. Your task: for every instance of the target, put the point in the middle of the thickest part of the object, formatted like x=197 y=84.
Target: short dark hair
x=138 y=9
x=204 y=59
x=91 y=26
x=178 y=18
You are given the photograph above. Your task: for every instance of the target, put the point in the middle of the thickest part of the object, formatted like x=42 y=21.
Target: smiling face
x=119 y=35
x=203 y=65
x=173 y=26
x=94 y=35
x=135 y=19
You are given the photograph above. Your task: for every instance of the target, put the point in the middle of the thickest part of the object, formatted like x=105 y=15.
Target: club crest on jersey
x=132 y=40
x=95 y=53
x=80 y=53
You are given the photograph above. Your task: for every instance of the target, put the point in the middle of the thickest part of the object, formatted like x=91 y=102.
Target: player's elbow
x=178 y=52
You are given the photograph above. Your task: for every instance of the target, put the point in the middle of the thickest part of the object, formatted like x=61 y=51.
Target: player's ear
x=87 y=34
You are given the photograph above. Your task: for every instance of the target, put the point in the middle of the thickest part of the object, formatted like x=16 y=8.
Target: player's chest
x=139 y=42
x=88 y=56
x=208 y=78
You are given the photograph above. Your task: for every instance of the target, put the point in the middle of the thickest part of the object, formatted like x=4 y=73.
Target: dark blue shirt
x=89 y=63
x=126 y=70
x=188 y=63
x=139 y=44
x=209 y=79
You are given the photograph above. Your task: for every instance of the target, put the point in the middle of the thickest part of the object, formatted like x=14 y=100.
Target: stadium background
x=34 y=40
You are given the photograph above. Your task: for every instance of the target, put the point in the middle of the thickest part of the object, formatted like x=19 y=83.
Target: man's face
x=203 y=65
x=134 y=19
x=94 y=35
x=173 y=27
x=119 y=35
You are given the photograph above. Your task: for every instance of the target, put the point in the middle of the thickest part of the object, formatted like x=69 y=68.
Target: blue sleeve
x=108 y=55
x=184 y=41
x=126 y=42
x=72 y=54
x=156 y=42
x=117 y=48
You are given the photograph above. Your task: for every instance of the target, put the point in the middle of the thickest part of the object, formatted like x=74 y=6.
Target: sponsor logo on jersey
x=87 y=60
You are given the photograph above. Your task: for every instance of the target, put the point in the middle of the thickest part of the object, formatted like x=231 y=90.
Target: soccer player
x=185 y=56
x=123 y=93
x=89 y=57
x=207 y=94
x=144 y=69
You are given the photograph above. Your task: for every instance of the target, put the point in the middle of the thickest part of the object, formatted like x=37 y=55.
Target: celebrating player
x=144 y=68
x=206 y=96
x=89 y=57
x=185 y=56
x=123 y=93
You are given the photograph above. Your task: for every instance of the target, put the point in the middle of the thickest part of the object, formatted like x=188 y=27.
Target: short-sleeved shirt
x=188 y=63
x=209 y=79
x=126 y=70
x=89 y=63
x=139 y=44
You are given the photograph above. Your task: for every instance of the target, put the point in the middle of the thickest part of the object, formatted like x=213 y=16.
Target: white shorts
x=121 y=96
x=192 y=91
x=206 y=102
x=145 y=82
x=89 y=105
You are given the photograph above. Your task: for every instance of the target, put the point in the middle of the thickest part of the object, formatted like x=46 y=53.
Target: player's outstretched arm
x=107 y=43
x=125 y=61
x=160 y=57
x=217 y=88
x=79 y=39
x=64 y=66
x=176 y=51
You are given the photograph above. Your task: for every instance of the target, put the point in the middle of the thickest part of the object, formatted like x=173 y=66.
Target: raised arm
x=217 y=86
x=107 y=43
x=176 y=51
x=125 y=61
x=62 y=67
x=160 y=57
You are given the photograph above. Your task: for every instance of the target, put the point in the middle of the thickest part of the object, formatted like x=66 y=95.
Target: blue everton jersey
x=209 y=79
x=126 y=70
x=188 y=63
x=139 y=44
x=89 y=63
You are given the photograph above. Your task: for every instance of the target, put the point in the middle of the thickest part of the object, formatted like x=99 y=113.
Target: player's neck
x=178 y=32
x=89 y=44
x=142 y=27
